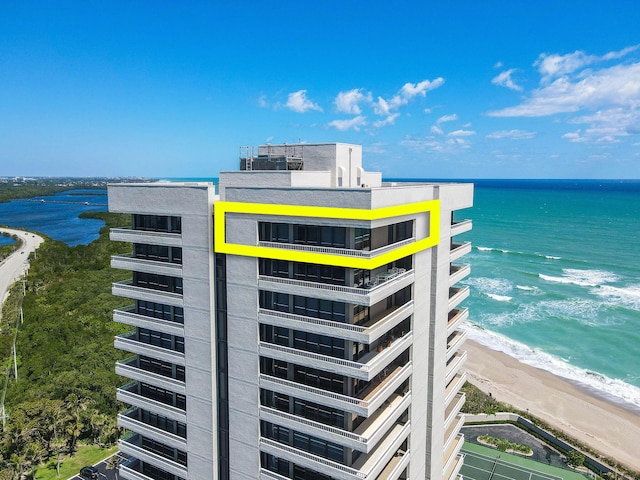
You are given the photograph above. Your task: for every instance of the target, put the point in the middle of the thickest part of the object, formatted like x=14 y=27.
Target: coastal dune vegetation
x=65 y=392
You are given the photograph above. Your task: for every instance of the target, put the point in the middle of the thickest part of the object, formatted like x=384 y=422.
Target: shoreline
x=604 y=425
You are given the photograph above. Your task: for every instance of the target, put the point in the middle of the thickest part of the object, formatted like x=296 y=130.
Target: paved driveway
x=104 y=473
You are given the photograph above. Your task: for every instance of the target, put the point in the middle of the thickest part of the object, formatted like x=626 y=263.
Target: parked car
x=89 y=472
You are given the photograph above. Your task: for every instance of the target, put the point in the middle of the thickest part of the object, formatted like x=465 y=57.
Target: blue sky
x=466 y=89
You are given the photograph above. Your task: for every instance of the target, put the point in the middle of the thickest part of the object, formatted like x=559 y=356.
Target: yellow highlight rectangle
x=221 y=246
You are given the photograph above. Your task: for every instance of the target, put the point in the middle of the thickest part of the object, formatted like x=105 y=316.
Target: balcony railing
x=356 y=333
x=128 y=419
x=128 y=343
x=454 y=386
x=128 y=316
x=347 y=252
x=458 y=273
x=126 y=289
x=451 y=455
x=129 y=394
x=453 y=409
x=455 y=364
x=453 y=345
x=128 y=262
x=131 y=445
x=457 y=295
x=364 y=405
x=459 y=250
x=146 y=237
x=370 y=365
x=460 y=226
x=456 y=317
x=129 y=368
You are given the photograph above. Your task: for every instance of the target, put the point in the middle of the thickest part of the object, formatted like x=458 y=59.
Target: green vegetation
x=505 y=445
x=64 y=396
x=11 y=190
x=86 y=455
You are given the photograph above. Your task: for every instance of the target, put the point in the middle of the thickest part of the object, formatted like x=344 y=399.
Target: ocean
x=555 y=279
x=555 y=272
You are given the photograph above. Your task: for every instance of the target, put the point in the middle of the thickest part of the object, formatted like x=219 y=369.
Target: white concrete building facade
x=301 y=323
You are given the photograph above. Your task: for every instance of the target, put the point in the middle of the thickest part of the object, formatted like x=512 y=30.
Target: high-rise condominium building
x=299 y=323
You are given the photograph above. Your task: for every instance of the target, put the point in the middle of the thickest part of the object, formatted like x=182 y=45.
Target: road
x=16 y=264
x=103 y=472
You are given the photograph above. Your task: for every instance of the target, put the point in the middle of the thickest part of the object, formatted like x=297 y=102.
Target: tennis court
x=481 y=463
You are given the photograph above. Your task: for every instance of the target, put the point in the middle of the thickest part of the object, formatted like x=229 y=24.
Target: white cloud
x=447 y=118
x=405 y=95
x=512 y=134
x=504 y=80
x=461 y=133
x=390 y=120
x=354 y=123
x=437 y=130
x=574 y=137
x=614 y=87
x=262 y=101
x=298 y=102
x=498 y=65
x=556 y=65
x=349 y=101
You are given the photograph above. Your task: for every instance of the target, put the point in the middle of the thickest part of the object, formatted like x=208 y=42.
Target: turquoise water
x=555 y=278
x=57 y=215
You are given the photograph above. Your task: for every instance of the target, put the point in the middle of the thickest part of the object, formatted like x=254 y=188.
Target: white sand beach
x=607 y=427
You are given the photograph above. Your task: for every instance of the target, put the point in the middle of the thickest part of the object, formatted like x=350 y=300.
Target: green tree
x=575 y=458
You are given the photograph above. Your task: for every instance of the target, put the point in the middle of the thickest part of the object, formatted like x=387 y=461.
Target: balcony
x=454 y=470
x=460 y=226
x=367 y=467
x=454 y=386
x=455 y=342
x=396 y=466
x=129 y=395
x=453 y=409
x=366 y=334
x=128 y=316
x=128 y=368
x=143 y=236
x=366 y=368
x=268 y=475
x=126 y=289
x=456 y=296
x=457 y=273
x=455 y=364
x=456 y=317
x=452 y=432
x=459 y=250
x=128 y=420
x=365 y=404
x=452 y=457
x=347 y=252
x=363 y=439
x=131 y=444
x=128 y=262
x=128 y=343
x=376 y=291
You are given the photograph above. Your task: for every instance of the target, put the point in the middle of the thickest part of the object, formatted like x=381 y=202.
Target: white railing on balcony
x=458 y=273
x=128 y=394
x=128 y=368
x=396 y=465
x=127 y=342
x=336 y=288
x=351 y=404
x=128 y=420
x=454 y=344
x=126 y=289
x=460 y=226
x=372 y=363
x=454 y=387
x=146 y=237
x=455 y=364
x=358 y=333
x=267 y=475
x=347 y=252
x=129 y=444
x=128 y=262
x=128 y=473
x=453 y=409
x=455 y=468
x=457 y=295
x=456 y=317
x=127 y=316
x=451 y=455
x=459 y=250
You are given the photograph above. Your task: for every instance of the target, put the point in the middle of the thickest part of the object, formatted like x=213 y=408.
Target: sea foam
x=583 y=278
x=612 y=389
